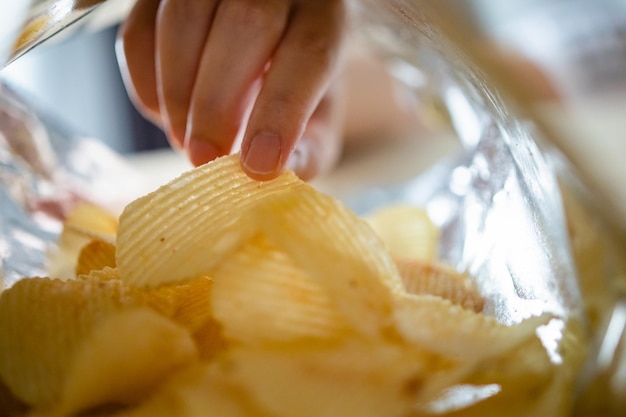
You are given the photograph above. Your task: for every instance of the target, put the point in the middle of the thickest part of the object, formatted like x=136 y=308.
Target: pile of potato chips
x=217 y=295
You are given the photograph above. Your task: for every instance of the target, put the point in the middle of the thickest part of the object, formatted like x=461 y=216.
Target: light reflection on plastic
x=550 y=336
x=466 y=123
x=462 y=396
x=63 y=8
x=408 y=74
x=461 y=181
x=29 y=240
x=479 y=239
x=441 y=210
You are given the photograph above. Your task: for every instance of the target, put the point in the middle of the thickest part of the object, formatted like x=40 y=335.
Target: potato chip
x=196 y=392
x=124 y=360
x=10 y=406
x=421 y=277
x=183 y=229
x=210 y=340
x=517 y=381
x=188 y=303
x=437 y=325
x=348 y=260
x=96 y=255
x=84 y=223
x=407 y=232
x=261 y=283
x=91 y=220
x=351 y=378
x=104 y=274
x=42 y=323
x=232 y=297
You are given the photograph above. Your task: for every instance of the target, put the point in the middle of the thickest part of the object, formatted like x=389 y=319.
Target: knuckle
x=174 y=97
x=318 y=46
x=168 y=8
x=285 y=108
x=287 y=100
x=255 y=16
x=218 y=118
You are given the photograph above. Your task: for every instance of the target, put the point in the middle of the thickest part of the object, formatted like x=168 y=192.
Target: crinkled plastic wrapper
x=45 y=170
x=499 y=203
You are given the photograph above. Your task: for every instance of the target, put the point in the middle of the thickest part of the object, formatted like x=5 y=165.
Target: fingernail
x=201 y=151
x=263 y=154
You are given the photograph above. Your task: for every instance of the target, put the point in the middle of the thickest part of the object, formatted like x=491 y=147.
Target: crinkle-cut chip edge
x=348 y=260
x=435 y=278
x=181 y=230
x=96 y=255
x=452 y=331
x=262 y=281
x=186 y=302
x=105 y=274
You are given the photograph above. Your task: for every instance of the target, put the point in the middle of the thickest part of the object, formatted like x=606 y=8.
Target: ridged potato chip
x=84 y=223
x=452 y=331
x=421 y=277
x=188 y=303
x=43 y=322
x=232 y=297
x=260 y=280
x=338 y=250
x=95 y=255
x=104 y=274
x=407 y=232
x=183 y=229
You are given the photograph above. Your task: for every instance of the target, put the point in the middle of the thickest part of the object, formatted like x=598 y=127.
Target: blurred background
x=571 y=53
x=575 y=50
x=78 y=80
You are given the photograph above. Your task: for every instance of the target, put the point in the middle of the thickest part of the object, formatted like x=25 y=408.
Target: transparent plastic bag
x=508 y=206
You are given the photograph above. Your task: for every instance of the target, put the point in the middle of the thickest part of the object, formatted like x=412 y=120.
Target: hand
x=212 y=72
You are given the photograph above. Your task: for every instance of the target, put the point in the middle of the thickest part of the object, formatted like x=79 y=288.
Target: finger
x=135 y=50
x=300 y=72
x=319 y=149
x=243 y=37
x=182 y=31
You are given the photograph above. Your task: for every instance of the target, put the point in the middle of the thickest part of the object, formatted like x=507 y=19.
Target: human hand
x=211 y=72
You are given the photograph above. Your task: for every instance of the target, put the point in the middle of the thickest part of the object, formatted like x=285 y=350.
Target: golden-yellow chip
x=237 y=298
x=116 y=367
x=43 y=322
x=96 y=255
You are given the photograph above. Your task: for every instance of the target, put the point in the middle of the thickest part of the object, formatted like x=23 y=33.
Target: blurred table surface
x=374 y=164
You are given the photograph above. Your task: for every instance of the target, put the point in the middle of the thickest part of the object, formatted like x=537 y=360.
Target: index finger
x=300 y=73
